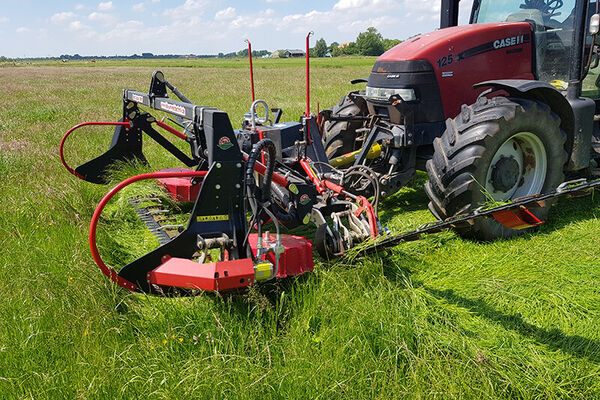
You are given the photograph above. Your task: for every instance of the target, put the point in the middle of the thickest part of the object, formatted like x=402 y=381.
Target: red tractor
x=494 y=111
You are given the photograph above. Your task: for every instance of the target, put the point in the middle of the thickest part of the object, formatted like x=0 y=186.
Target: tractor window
x=553 y=23
x=591 y=82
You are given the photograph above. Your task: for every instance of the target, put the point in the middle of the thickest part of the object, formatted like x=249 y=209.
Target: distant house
x=287 y=53
x=296 y=53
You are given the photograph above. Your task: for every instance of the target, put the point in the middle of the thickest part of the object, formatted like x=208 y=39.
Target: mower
x=266 y=171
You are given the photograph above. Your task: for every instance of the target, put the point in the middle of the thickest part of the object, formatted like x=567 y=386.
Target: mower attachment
x=280 y=171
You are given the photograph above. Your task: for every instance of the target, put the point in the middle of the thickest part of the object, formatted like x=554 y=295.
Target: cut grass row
x=438 y=318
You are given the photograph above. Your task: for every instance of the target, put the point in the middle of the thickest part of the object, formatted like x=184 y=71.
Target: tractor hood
x=452 y=60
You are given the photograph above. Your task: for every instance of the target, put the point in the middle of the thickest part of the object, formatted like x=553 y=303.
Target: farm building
x=288 y=53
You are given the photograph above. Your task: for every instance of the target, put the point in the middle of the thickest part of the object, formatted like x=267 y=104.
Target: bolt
x=237 y=186
x=218 y=165
x=217 y=186
x=239 y=165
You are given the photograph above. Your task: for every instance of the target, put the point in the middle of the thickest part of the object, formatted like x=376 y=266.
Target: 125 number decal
x=446 y=60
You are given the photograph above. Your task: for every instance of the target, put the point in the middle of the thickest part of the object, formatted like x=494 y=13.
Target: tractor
x=494 y=111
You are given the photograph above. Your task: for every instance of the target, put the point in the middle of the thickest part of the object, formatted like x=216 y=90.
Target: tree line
x=368 y=43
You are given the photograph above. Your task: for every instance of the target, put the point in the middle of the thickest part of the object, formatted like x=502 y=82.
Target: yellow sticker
x=212 y=218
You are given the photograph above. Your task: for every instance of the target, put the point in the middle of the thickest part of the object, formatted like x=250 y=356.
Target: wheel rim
x=518 y=168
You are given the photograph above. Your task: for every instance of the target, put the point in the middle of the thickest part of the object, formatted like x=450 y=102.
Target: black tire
x=464 y=153
x=339 y=137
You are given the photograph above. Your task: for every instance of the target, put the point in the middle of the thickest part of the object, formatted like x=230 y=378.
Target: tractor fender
x=576 y=115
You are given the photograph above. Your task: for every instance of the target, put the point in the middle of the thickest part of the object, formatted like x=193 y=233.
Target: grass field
x=439 y=318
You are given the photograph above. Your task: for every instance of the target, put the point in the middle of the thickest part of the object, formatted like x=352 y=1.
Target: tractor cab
x=555 y=25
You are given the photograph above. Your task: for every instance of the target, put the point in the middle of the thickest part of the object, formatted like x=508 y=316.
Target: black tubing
x=264 y=144
x=285 y=199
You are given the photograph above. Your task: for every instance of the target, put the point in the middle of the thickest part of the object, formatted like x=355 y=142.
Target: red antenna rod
x=308 y=74
x=251 y=69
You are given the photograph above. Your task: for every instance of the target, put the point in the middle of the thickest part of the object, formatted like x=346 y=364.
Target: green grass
x=439 y=318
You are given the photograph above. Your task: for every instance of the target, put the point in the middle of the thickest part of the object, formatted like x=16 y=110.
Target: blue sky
x=50 y=28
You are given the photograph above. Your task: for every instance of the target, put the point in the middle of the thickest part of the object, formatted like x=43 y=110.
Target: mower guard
x=126 y=145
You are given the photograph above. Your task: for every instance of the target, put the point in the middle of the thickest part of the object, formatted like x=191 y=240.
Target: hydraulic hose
x=251 y=188
x=285 y=199
x=269 y=146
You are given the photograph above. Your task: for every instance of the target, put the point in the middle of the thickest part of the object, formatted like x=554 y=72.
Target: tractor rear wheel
x=495 y=151
x=340 y=136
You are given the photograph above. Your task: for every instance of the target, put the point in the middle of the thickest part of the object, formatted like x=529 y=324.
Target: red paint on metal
x=174 y=131
x=520 y=218
x=180 y=189
x=261 y=136
x=501 y=63
x=307 y=113
x=217 y=276
x=295 y=260
x=333 y=186
x=111 y=273
x=251 y=69
x=62 y=142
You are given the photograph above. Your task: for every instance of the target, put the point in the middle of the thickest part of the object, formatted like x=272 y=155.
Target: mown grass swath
x=439 y=318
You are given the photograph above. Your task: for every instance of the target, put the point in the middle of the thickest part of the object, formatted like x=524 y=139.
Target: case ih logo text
x=304 y=199
x=139 y=99
x=172 y=108
x=225 y=143
x=509 y=41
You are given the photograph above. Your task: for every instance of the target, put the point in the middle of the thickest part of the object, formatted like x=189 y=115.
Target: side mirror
x=595 y=24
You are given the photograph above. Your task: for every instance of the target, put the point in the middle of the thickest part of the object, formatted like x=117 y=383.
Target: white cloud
x=138 y=7
x=370 y=5
x=131 y=28
x=277 y=1
x=79 y=7
x=103 y=18
x=107 y=6
x=62 y=17
x=23 y=29
x=188 y=9
x=156 y=1
x=4 y=20
x=225 y=14
x=76 y=26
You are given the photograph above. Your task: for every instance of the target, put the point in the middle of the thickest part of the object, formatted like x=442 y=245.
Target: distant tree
x=220 y=55
x=346 y=50
x=332 y=48
x=389 y=43
x=243 y=53
x=370 y=43
x=320 y=49
x=259 y=53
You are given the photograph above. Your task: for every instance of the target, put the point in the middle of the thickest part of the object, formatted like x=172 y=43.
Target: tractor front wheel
x=339 y=137
x=493 y=152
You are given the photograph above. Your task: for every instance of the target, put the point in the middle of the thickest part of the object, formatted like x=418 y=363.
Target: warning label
x=212 y=218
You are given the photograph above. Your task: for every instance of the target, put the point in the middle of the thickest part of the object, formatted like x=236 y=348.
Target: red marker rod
x=251 y=69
